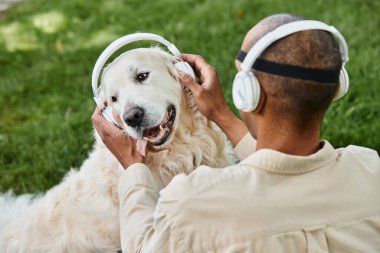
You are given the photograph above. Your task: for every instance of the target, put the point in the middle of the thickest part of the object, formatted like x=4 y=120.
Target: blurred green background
x=48 y=49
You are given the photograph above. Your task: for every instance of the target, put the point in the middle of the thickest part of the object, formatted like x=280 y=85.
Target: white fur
x=81 y=213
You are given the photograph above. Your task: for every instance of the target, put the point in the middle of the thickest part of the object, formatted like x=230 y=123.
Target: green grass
x=48 y=48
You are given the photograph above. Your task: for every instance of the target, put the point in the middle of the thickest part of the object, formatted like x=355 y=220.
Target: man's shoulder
x=359 y=150
x=367 y=157
x=201 y=180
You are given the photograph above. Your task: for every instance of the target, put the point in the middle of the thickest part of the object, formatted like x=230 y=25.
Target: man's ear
x=262 y=102
x=263 y=95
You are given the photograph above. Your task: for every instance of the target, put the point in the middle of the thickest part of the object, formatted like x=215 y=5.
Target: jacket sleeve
x=245 y=147
x=143 y=227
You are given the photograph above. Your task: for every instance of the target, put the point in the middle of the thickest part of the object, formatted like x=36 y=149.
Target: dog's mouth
x=159 y=134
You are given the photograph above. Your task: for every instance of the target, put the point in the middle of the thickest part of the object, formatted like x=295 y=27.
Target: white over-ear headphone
x=246 y=87
x=117 y=44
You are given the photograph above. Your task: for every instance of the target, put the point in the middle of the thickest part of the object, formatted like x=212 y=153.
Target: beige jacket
x=269 y=202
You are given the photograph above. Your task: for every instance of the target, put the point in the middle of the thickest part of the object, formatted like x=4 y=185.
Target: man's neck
x=289 y=140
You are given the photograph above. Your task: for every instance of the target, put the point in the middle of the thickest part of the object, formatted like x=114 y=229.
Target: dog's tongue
x=141 y=146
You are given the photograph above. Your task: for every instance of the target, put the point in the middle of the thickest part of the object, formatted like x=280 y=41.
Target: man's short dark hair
x=310 y=49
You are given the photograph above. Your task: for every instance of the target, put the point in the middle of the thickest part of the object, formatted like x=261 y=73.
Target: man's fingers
x=195 y=61
x=98 y=120
x=97 y=111
x=96 y=116
x=189 y=82
x=204 y=70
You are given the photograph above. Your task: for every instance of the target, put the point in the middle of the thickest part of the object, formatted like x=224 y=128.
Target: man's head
x=296 y=102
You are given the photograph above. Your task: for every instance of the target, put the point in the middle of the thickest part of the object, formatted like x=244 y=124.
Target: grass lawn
x=48 y=49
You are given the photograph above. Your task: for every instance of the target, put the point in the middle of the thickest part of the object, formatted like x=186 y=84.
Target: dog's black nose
x=134 y=116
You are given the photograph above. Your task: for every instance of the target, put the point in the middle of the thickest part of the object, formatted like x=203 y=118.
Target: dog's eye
x=142 y=76
x=114 y=98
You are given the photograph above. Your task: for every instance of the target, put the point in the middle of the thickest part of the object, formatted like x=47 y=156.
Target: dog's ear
x=169 y=61
x=172 y=69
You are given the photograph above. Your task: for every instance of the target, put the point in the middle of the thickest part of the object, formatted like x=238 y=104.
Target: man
x=294 y=194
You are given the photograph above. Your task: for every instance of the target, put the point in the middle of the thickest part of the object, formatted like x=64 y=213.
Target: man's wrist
x=126 y=164
x=223 y=118
x=231 y=125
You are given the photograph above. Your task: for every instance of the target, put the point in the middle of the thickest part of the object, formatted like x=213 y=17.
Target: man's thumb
x=188 y=82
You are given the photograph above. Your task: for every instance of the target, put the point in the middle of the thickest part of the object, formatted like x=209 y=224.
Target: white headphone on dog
x=117 y=44
x=246 y=87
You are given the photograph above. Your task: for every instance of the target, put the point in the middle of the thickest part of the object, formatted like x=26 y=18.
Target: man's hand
x=122 y=146
x=209 y=98
x=208 y=94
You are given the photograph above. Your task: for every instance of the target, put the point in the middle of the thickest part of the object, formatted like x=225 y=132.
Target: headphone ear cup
x=185 y=67
x=344 y=84
x=246 y=91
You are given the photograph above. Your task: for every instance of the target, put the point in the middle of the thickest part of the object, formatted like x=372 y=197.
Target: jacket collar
x=278 y=162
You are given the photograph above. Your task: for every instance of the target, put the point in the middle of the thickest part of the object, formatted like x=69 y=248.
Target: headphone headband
x=286 y=70
x=246 y=87
x=117 y=44
x=289 y=29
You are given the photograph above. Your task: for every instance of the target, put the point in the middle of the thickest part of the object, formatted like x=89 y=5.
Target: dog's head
x=142 y=88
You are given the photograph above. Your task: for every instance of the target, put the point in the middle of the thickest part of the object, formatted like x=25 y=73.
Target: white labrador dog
x=81 y=213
